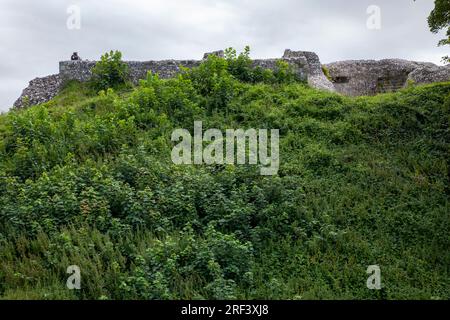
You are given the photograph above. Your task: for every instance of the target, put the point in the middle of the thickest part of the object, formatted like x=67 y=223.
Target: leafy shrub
x=214 y=83
x=220 y=261
x=110 y=71
x=240 y=66
x=284 y=73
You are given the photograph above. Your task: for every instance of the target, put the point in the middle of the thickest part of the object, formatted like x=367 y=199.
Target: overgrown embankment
x=86 y=179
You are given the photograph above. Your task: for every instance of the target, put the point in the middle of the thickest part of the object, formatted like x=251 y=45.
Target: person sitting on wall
x=75 y=56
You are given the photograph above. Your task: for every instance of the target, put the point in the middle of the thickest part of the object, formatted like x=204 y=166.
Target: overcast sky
x=34 y=35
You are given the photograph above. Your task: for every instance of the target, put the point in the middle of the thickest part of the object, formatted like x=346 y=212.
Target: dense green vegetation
x=109 y=72
x=86 y=179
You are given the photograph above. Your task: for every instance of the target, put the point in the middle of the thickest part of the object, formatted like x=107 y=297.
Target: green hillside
x=87 y=179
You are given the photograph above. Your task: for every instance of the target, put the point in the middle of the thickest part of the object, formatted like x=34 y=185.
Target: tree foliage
x=439 y=19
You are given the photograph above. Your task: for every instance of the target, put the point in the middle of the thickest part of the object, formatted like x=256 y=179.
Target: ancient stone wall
x=39 y=90
x=370 y=77
x=81 y=70
x=306 y=65
x=353 y=78
x=430 y=74
x=315 y=76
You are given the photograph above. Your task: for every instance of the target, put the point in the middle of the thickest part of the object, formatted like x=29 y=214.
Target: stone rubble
x=39 y=90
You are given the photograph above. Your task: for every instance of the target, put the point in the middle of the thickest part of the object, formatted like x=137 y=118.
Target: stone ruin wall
x=82 y=70
x=352 y=78
x=306 y=65
x=371 y=77
x=39 y=90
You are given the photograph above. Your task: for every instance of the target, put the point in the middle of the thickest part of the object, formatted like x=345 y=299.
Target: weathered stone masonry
x=370 y=77
x=353 y=78
x=306 y=65
x=39 y=90
x=81 y=70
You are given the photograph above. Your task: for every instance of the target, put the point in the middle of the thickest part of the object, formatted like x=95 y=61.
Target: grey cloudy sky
x=34 y=34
